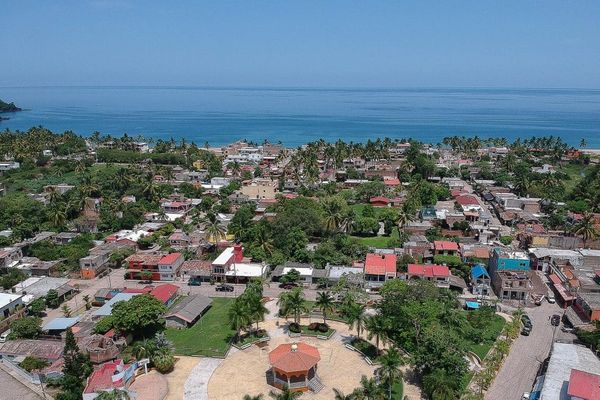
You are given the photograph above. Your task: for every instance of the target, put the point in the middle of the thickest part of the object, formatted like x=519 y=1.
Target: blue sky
x=479 y=43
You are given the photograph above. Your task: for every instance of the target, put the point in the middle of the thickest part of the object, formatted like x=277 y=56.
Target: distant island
x=7 y=107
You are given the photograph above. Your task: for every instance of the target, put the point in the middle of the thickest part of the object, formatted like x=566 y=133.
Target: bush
x=32 y=363
x=324 y=328
x=163 y=362
x=313 y=326
x=506 y=240
x=294 y=327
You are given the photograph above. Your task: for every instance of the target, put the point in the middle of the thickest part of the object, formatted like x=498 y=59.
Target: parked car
x=555 y=320
x=527 y=325
x=567 y=329
x=194 y=281
x=224 y=288
x=288 y=285
x=4 y=336
x=550 y=297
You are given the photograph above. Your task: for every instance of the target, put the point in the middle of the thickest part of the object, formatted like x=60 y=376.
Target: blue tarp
x=478 y=271
x=472 y=305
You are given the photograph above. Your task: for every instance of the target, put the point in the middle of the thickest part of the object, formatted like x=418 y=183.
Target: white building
x=8 y=303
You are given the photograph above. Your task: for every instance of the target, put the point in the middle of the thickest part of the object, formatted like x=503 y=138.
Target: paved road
x=10 y=388
x=117 y=280
x=520 y=369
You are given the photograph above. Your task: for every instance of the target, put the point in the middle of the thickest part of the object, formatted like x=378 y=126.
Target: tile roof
x=165 y=292
x=445 y=245
x=584 y=385
x=101 y=378
x=45 y=349
x=380 y=264
x=169 y=258
x=294 y=357
x=428 y=270
x=467 y=200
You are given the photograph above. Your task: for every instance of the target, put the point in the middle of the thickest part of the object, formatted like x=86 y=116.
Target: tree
x=369 y=389
x=32 y=363
x=325 y=304
x=239 y=316
x=293 y=303
x=213 y=227
x=339 y=395
x=356 y=317
x=26 y=328
x=163 y=361
x=292 y=276
x=440 y=386
x=115 y=394
x=52 y=299
x=140 y=316
x=66 y=310
x=257 y=397
x=86 y=300
x=76 y=368
x=145 y=349
x=586 y=228
x=376 y=328
x=285 y=394
x=37 y=307
x=389 y=370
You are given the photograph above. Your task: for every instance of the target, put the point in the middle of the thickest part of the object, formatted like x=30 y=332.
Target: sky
x=458 y=43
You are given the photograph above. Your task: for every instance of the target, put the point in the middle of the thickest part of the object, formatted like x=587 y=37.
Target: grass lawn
x=494 y=329
x=308 y=332
x=210 y=336
x=367 y=348
x=398 y=389
x=378 y=241
x=574 y=171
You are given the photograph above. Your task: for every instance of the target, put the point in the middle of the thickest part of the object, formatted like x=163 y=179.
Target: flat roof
x=106 y=309
x=564 y=358
x=303 y=271
x=7 y=298
x=224 y=257
x=249 y=270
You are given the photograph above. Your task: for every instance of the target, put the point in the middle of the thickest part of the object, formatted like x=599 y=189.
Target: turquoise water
x=296 y=116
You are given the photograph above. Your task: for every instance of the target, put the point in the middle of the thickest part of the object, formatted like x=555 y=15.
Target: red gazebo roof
x=294 y=357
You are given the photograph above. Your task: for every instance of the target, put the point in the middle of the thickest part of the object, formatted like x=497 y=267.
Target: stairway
x=315 y=384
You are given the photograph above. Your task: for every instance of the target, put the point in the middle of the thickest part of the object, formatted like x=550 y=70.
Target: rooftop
x=428 y=270
x=294 y=357
x=380 y=264
x=190 y=308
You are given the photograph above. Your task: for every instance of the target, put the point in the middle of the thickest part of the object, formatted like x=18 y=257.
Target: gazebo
x=295 y=365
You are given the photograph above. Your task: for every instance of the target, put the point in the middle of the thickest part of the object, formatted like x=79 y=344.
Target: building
x=106 y=309
x=49 y=350
x=94 y=264
x=588 y=304
x=37 y=287
x=259 y=190
x=9 y=302
x=445 y=248
x=306 y=272
x=481 y=282
x=185 y=313
x=512 y=285
x=168 y=266
x=505 y=260
x=166 y=293
x=8 y=165
x=108 y=377
x=379 y=268
x=232 y=266
x=560 y=383
x=437 y=274
x=294 y=365
x=10 y=256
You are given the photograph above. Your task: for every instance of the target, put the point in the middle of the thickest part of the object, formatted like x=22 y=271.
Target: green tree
x=116 y=394
x=369 y=389
x=140 y=316
x=586 y=228
x=257 y=397
x=325 y=304
x=356 y=317
x=239 y=316
x=389 y=369
x=439 y=385
x=376 y=328
x=37 y=307
x=293 y=303
x=285 y=394
x=26 y=328
x=52 y=299
x=32 y=363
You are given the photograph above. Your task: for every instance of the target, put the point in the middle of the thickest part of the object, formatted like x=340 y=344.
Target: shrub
x=313 y=326
x=323 y=328
x=506 y=240
x=294 y=327
x=32 y=363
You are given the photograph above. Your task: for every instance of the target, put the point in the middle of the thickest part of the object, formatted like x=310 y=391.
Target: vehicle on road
x=224 y=288
x=4 y=336
x=288 y=285
x=194 y=281
x=567 y=329
x=146 y=282
x=555 y=320
x=527 y=325
x=550 y=297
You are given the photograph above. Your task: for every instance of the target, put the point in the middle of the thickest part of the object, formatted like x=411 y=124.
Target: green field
x=210 y=336
x=378 y=241
x=495 y=327
x=574 y=171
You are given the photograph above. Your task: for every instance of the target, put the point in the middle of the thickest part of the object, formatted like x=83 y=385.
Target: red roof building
x=445 y=247
x=468 y=201
x=165 y=293
x=108 y=377
x=391 y=182
x=379 y=201
x=584 y=385
x=379 y=268
x=438 y=274
x=294 y=365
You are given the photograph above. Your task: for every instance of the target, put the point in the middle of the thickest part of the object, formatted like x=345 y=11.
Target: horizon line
x=276 y=87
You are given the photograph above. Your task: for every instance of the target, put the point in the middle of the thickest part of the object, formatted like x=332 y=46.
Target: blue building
x=506 y=260
x=511 y=275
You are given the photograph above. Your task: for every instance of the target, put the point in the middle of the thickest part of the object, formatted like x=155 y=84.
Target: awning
x=564 y=293
x=473 y=305
x=555 y=279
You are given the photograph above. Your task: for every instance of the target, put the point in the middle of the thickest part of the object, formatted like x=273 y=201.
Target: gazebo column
x=288 y=379
x=306 y=378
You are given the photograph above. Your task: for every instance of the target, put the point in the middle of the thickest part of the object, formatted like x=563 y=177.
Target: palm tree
x=376 y=329
x=293 y=303
x=239 y=316
x=57 y=216
x=339 y=395
x=357 y=317
x=586 y=228
x=286 y=394
x=325 y=304
x=144 y=349
x=390 y=363
x=116 y=394
x=257 y=397
x=440 y=385
x=213 y=227
x=66 y=311
x=369 y=390
x=258 y=310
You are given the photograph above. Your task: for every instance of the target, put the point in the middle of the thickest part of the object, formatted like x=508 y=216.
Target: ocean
x=296 y=116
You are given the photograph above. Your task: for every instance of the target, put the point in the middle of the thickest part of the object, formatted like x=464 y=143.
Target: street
x=527 y=353
x=116 y=280
x=13 y=389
